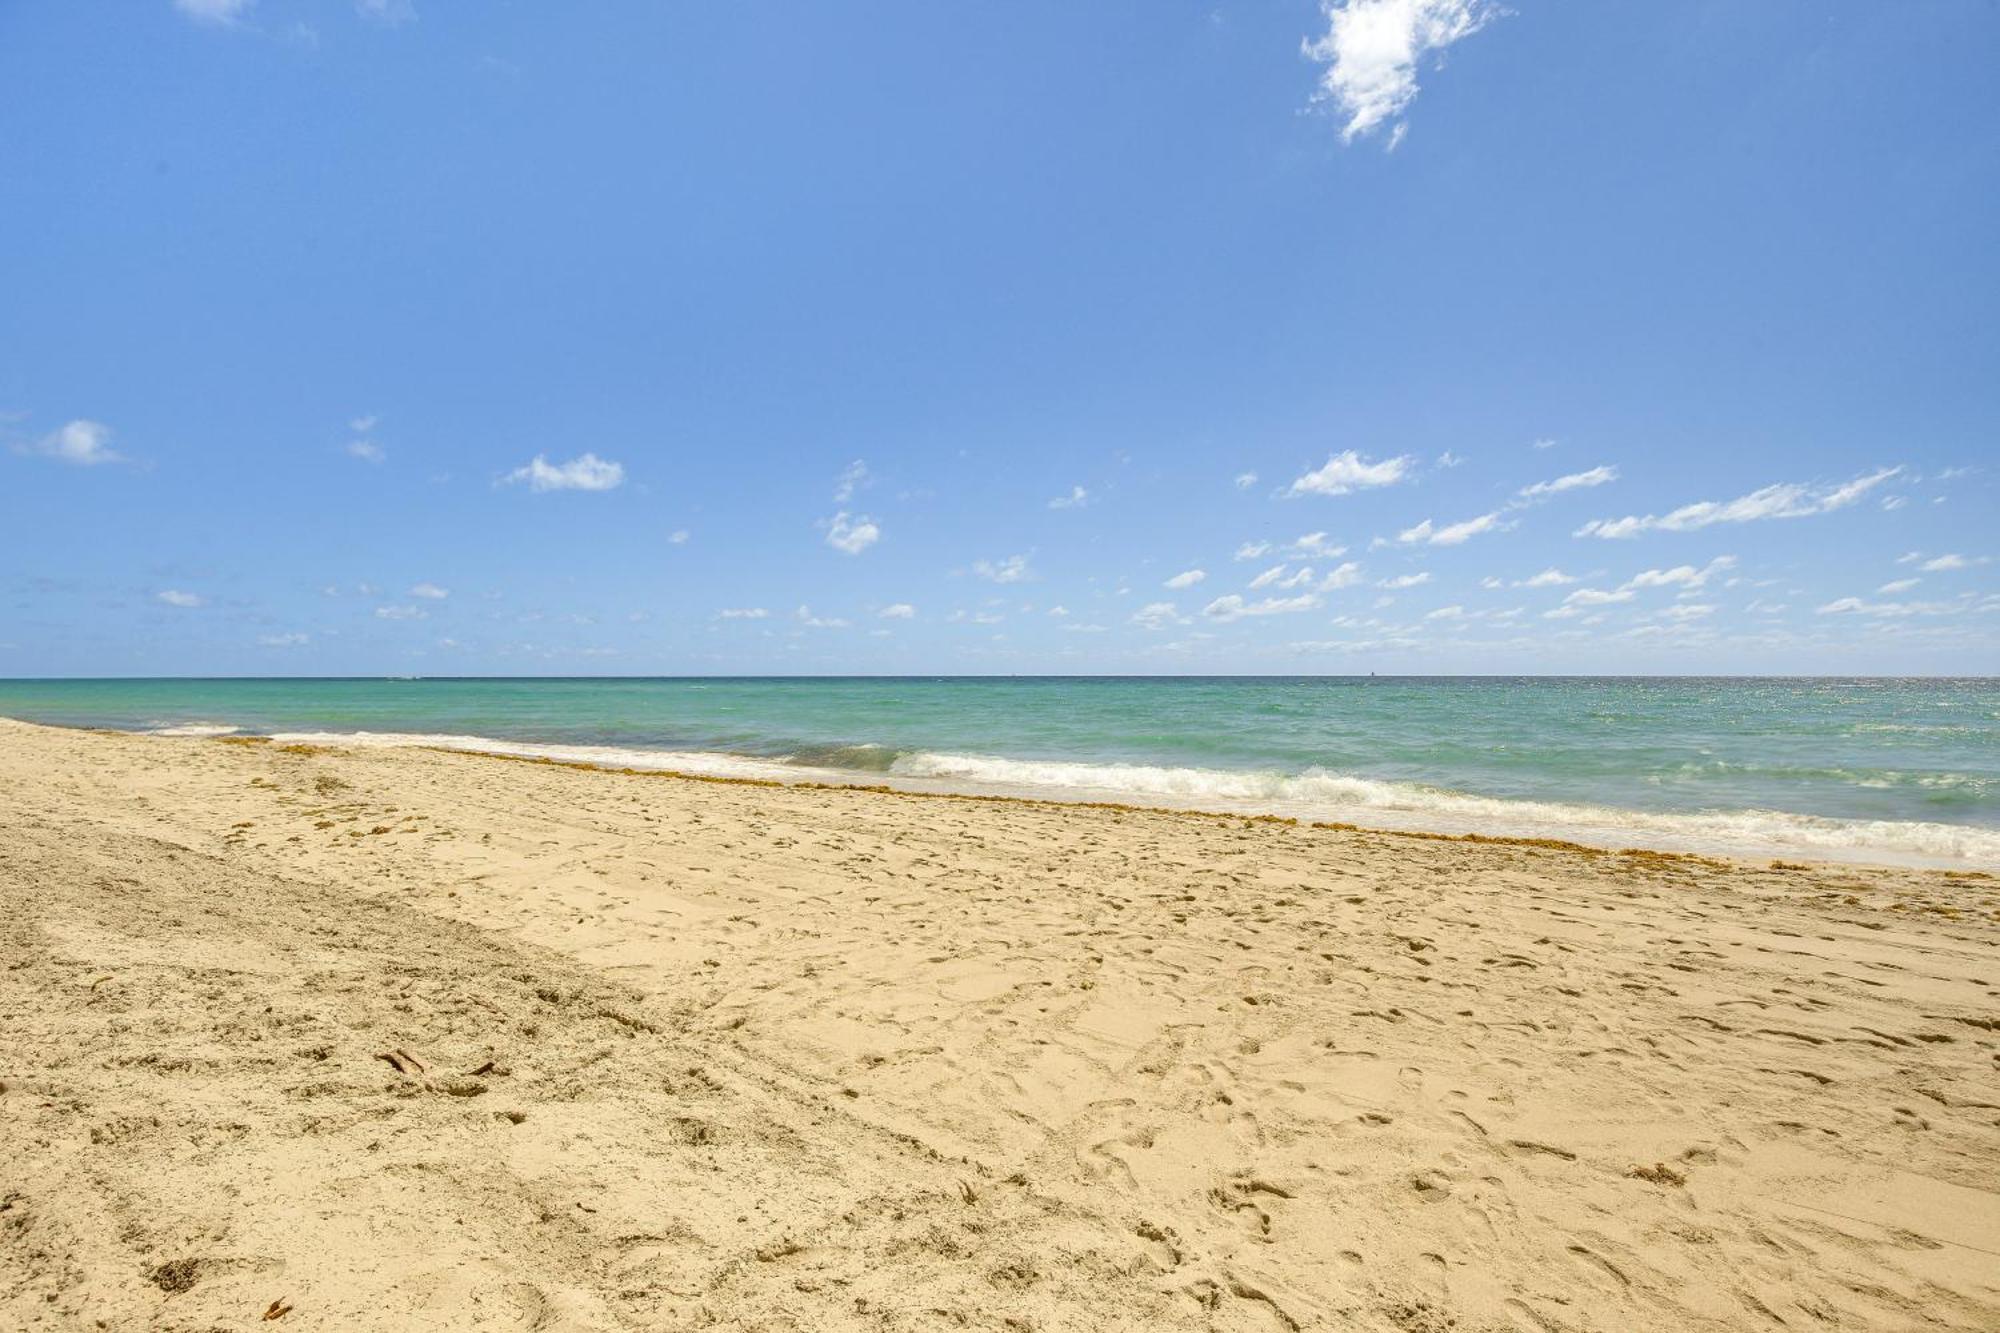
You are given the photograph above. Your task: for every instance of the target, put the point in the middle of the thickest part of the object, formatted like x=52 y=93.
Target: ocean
x=1895 y=770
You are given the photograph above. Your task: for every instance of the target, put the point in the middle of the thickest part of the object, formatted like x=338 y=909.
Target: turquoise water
x=1875 y=769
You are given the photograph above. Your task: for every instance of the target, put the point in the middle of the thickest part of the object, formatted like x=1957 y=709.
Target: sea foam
x=1314 y=793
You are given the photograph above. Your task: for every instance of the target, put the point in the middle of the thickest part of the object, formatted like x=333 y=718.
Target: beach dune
x=408 y=1039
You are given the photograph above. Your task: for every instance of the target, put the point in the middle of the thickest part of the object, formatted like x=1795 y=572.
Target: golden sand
x=308 y=1038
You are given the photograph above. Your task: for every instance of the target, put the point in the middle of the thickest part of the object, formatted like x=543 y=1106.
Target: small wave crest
x=701 y=762
x=1313 y=793
x=1320 y=793
x=192 y=729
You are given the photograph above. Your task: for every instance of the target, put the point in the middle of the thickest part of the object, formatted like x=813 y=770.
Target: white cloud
x=175 y=597
x=1233 y=607
x=1782 y=500
x=1945 y=563
x=1187 y=578
x=1371 y=50
x=84 y=443
x=1545 y=444
x=400 y=613
x=1343 y=576
x=742 y=613
x=1597 y=597
x=281 y=640
x=1898 y=585
x=1305 y=546
x=1892 y=503
x=1275 y=577
x=1548 y=578
x=1856 y=606
x=1406 y=580
x=1059 y=611
x=1446 y=613
x=1452 y=534
x=1158 y=615
x=1449 y=459
x=431 y=591
x=1269 y=576
x=366 y=450
x=1245 y=480
x=586 y=472
x=851 y=535
x=361 y=425
x=850 y=480
x=1076 y=499
x=678 y=537
x=1596 y=476
x=898 y=611
x=1347 y=472
x=1681 y=576
x=805 y=617
x=1686 y=611
x=214 y=11
x=1013 y=569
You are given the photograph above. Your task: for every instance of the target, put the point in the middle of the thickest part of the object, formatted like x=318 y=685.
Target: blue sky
x=1406 y=335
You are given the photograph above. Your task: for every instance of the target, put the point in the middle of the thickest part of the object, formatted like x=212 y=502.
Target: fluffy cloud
x=898 y=611
x=586 y=472
x=1013 y=569
x=1452 y=534
x=1680 y=576
x=1597 y=597
x=430 y=591
x=366 y=450
x=1076 y=499
x=400 y=613
x=742 y=613
x=1898 y=585
x=1187 y=578
x=805 y=616
x=1347 y=472
x=281 y=640
x=1406 y=580
x=1371 y=50
x=1233 y=607
x=1158 y=615
x=1597 y=476
x=1342 y=576
x=1245 y=480
x=175 y=597
x=851 y=535
x=1548 y=578
x=678 y=537
x=84 y=443
x=1783 y=500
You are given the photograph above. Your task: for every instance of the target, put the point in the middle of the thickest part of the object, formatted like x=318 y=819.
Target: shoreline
x=401 y=1037
x=1748 y=834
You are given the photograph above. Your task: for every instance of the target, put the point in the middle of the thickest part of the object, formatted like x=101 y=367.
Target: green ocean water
x=1875 y=769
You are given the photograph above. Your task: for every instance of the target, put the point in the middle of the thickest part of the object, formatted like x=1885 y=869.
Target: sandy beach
x=407 y=1039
